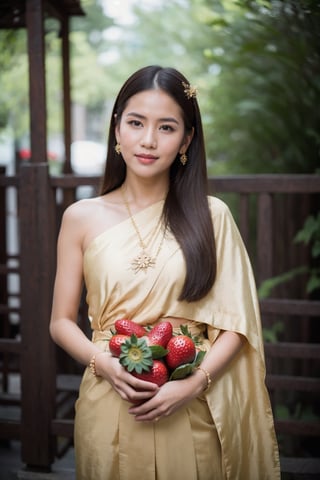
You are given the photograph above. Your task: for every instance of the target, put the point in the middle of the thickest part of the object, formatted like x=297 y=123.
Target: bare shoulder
x=75 y=221
x=88 y=218
x=81 y=209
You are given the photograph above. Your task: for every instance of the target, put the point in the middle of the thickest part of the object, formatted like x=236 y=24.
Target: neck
x=142 y=196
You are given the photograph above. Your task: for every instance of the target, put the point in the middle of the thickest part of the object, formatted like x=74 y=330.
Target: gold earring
x=118 y=148
x=183 y=158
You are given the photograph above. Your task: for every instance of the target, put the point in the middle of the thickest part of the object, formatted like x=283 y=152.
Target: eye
x=167 y=128
x=135 y=123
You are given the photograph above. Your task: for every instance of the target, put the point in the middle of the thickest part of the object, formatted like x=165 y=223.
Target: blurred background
x=256 y=65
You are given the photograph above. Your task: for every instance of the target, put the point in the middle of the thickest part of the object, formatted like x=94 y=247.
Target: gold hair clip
x=190 y=90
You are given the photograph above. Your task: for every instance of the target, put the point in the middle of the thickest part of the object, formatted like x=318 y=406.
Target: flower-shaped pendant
x=142 y=262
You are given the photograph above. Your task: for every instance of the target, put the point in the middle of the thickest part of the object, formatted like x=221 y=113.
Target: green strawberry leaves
x=199 y=357
x=184 y=370
x=136 y=355
x=185 y=331
x=158 y=351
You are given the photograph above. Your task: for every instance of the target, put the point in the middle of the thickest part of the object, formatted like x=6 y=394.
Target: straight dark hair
x=186 y=211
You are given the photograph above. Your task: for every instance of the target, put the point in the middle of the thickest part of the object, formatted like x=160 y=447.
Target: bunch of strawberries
x=155 y=355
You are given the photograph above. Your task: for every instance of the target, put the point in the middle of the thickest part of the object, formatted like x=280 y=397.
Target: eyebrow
x=142 y=117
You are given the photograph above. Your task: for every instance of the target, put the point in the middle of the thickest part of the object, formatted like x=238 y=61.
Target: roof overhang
x=13 y=12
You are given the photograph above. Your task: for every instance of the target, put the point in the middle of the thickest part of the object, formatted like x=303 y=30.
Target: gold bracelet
x=92 y=364
x=208 y=378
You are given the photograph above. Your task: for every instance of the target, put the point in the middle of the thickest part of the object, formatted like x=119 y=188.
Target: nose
x=148 y=139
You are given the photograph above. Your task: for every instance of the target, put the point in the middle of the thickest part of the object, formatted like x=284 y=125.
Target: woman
x=154 y=247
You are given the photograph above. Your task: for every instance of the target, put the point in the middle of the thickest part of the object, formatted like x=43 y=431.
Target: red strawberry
x=128 y=327
x=181 y=350
x=115 y=343
x=160 y=334
x=158 y=373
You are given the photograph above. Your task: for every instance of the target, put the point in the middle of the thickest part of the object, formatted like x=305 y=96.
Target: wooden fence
x=268 y=209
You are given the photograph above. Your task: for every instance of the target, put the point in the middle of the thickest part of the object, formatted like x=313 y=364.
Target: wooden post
x=38 y=354
x=4 y=320
x=37 y=83
x=69 y=194
x=265 y=237
x=244 y=220
x=36 y=234
x=66 y=93
x=3 y=250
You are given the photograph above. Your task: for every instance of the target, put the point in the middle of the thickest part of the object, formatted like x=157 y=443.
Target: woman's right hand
x=129 y=388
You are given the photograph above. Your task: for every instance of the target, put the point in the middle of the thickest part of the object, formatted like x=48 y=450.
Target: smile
x=146 y=158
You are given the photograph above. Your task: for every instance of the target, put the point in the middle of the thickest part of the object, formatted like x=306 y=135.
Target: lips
x=145 y=158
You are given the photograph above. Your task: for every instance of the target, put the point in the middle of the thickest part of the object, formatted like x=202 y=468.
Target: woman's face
x=151 y=133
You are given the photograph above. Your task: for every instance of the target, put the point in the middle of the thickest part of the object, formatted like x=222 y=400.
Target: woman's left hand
x=171 y=396
x=176 y=393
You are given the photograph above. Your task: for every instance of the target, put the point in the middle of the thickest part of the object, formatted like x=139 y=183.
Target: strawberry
x=135 y=355
x=160 y=334
x=128 y=327
x=158 y=373
x=181 y=350
x=115 y=343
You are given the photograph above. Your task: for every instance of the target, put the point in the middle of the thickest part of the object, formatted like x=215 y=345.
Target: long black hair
x=186 y=211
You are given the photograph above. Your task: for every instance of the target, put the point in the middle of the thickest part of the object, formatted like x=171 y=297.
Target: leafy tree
x=87 y=76
x=14 y=77
x=256 y=64
x=92 y=24
x=265 y=58
x=166 y=34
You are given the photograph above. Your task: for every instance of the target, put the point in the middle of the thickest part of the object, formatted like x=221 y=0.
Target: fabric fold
x=239 y=433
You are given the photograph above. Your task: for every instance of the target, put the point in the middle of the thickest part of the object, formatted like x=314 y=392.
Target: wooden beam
x=10 y=345
x=293 y=383
x=287 y=306
x=292 y=350
x=267 y=183
x=10 y=429
x=63 y=428
x=298 y=427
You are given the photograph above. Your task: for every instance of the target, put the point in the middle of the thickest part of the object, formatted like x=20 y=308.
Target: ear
x=186 y=141
x=116 y=133
x=116 y=128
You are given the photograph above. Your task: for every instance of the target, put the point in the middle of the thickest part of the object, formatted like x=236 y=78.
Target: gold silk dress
x=227 y=432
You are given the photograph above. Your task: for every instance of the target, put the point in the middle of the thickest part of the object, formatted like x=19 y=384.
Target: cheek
x=123 y=136
x=175 y=146
x=127 y=133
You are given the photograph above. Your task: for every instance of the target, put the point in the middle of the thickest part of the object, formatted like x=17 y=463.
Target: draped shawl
x=238 y=399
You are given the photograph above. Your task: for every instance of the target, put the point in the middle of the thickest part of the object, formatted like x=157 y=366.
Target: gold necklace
x=143 y=260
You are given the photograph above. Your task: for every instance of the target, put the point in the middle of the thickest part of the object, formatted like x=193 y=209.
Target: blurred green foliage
x=256 y=65
x=263 y=109
x=309 y=235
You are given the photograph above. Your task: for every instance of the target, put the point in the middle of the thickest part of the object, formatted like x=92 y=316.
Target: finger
x=142 y=385
x=149 y=417
x=134 y=396
x=138 y=398
x=149 y=407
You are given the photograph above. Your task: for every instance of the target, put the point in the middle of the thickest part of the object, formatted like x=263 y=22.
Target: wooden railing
x=49 y=380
